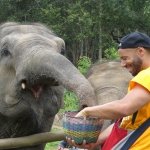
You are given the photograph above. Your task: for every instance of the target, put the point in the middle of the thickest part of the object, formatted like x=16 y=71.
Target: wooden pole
x=31 y=140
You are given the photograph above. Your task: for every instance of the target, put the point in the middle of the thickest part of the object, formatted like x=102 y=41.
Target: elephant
x=33 y=74
x=110 y=82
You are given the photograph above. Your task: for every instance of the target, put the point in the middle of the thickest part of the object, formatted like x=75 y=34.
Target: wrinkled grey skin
x=30 y=54
x=110 y=82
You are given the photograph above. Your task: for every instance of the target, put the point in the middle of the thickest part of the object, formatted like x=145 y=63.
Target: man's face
x=130 y=60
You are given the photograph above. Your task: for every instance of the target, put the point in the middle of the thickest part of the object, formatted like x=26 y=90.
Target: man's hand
x=60 y=148
x=82 y=113
x=83 y=145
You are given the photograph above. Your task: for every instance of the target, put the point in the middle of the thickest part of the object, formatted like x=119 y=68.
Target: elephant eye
x=5 y=51
x=63 y=51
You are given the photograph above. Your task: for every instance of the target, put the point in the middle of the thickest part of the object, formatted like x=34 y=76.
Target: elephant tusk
x=23 y=85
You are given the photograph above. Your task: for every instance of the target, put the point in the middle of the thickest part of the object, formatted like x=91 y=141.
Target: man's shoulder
x=143 y=77
x=144 y=72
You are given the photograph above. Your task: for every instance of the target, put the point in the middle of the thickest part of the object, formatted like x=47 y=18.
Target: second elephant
x=110 y=82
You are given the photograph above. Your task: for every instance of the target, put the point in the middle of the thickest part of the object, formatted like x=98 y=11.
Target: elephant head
x=33 y=75
x=110 y=82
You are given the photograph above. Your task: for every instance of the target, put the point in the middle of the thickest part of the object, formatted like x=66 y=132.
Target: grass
x=52 y=145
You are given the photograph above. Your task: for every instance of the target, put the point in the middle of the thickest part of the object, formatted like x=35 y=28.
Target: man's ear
x=141 y=51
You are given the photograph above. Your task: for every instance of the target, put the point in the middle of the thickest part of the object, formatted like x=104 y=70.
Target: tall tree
x=89 y=27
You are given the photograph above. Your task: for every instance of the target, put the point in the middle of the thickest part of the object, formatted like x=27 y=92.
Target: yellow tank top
x=143 y=142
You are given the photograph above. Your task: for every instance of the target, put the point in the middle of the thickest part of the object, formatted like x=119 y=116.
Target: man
x=132 y=131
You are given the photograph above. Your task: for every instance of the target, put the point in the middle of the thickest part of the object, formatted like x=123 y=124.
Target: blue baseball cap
x=134 y=40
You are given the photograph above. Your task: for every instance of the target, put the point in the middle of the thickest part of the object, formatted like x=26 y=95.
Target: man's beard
x=136 y=65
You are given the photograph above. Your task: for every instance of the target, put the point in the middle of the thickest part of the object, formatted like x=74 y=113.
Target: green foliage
x=83 y=64
x=70 y=101
x=111 y=53
x=86 y=25
x=51 y=146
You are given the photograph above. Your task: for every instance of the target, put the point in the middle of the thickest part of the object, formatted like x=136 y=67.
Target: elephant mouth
x=36 y=89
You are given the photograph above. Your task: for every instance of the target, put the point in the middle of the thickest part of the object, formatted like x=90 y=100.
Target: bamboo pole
x=31 y=140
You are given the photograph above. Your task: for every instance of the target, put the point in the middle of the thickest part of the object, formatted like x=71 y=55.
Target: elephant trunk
x=57 y=70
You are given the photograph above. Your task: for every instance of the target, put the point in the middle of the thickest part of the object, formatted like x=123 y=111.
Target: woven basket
x=80 y=129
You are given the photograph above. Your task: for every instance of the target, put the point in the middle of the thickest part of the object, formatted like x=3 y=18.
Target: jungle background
x=91 y=29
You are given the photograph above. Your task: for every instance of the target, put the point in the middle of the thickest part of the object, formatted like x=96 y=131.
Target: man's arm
x=133 y=101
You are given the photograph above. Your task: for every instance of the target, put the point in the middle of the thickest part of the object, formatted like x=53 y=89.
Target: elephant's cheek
x=9 y=101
